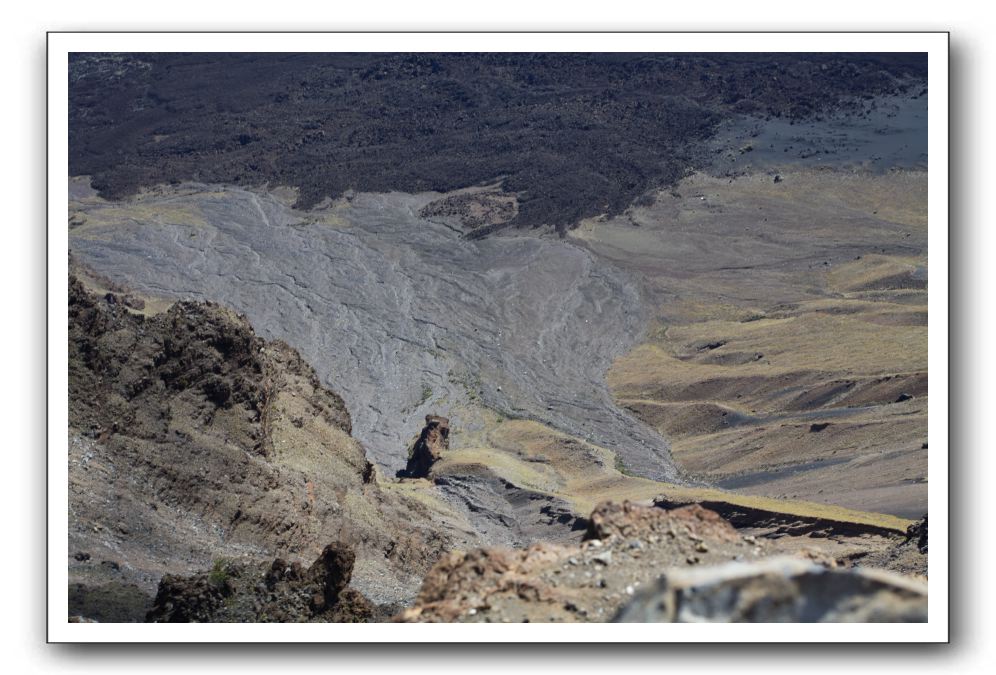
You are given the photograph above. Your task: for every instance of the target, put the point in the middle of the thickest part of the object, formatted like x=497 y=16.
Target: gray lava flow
x=399 y=315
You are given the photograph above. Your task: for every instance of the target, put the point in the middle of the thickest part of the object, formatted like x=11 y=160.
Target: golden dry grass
x=776 y=302
x=533 y=456
x=99 y=286
x=102 y=218
x=813 y=341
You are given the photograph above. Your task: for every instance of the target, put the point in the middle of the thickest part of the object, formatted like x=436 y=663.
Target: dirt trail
x=398 y=314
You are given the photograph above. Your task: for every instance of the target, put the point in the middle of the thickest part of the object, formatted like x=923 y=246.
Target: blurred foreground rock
x=640 y=563
x=781 y=589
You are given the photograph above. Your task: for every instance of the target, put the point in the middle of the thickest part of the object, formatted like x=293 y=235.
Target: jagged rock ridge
x=191 y=439
x=278 y=592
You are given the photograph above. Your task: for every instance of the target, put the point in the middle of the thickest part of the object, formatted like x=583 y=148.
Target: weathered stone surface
x=918 y=531
x=429 y=447
x=612 y=519
x=109 y=602
x=781 y=589
x=626 y=548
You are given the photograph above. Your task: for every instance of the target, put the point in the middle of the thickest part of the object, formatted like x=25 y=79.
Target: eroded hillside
x=789 y=353
x=398 y=313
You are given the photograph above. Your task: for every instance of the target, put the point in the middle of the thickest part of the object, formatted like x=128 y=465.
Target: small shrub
x=219 y=573
x=621 y=468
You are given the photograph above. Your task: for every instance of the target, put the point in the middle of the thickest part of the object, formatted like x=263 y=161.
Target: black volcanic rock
x=233 y=591
x=570 y=135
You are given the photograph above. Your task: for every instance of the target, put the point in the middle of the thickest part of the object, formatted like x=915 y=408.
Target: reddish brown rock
x=463 y=583
x=627 y=547
x=628 y=520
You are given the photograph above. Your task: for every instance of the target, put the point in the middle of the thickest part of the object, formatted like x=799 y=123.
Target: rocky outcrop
x=197 y=364
x=780 y=589
x=625 y=548
x=109 y=602
x=472 y=210
x=906 y=557
x=427 y=450
x=629 y=520
x=193 y=439
x=279 y=592
x=708 y=568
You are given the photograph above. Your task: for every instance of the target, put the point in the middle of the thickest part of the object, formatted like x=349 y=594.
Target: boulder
x=778 y=590
x=628 y=520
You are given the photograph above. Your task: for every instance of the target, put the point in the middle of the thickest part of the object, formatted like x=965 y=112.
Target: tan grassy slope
x=535 y=457
x=783 y=306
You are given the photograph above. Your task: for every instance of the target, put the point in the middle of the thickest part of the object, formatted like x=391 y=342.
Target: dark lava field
x=571 y=135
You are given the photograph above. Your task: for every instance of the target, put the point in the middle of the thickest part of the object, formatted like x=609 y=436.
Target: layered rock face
x=429 y=447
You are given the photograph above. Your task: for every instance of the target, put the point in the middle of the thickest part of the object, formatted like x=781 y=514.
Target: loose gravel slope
x=400 y=315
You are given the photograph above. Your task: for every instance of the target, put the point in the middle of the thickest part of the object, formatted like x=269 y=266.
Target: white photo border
x=61 y=44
